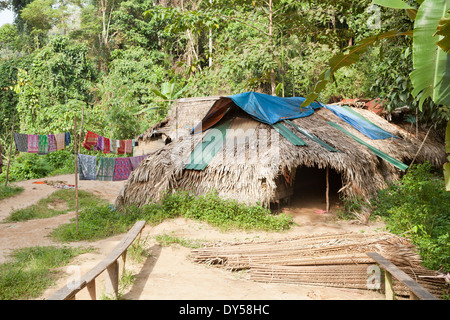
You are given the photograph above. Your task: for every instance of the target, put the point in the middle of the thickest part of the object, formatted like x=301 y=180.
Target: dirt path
x=168 y=273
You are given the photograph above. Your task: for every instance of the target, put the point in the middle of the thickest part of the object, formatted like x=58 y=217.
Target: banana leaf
x=431 y=74
x=348 y=58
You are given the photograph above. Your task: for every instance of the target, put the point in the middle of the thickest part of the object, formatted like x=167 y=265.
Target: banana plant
x=431 y=59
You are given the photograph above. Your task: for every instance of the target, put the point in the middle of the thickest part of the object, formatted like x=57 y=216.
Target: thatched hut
x=256 y=164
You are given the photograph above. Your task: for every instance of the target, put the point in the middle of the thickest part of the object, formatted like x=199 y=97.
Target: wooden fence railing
x=417 y=292
x=110 y=264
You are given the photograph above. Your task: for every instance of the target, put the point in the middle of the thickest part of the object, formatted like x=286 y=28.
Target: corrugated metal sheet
x=210 y=145
x=311 y=136
x=379 y=153
x=288 y=134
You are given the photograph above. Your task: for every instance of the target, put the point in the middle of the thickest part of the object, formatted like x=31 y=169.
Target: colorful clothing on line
x=100 y=143
x=106 y=147
x=60 y=141
x=121 y=147
x=128 y=146
x=43 y=144
x=113 y=145
x=51 y=142
x=105 y=170
x=136 y=160
x=122 y=169
x=90 y=140
x=33 y=143
x=21 y=141
x=67 y=138
x=87 y=167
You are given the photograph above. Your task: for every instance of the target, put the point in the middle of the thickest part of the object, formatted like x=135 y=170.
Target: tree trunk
x=272 y=71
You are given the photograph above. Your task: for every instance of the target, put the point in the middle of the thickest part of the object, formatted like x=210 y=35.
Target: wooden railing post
x=112 y=279
x=110 y=264
x=390 y=270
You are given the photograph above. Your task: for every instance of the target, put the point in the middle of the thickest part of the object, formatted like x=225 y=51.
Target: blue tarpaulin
x=271 y=109
x=360 y=123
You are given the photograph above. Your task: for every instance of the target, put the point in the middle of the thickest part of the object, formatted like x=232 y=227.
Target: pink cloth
x=33 y=143
x=122 y=169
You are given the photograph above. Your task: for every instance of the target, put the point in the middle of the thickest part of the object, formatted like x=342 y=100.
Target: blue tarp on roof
x=271 y=109
x=360 y=123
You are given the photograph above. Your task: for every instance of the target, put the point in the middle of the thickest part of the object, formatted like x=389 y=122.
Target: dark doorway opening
x=310 y=185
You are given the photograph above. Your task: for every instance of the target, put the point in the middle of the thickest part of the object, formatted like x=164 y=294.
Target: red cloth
x=121 y=149
x=90 y=140
x=106 y=146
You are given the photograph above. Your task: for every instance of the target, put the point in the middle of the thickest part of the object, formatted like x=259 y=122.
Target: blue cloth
x=271 y=109
x=359 y=123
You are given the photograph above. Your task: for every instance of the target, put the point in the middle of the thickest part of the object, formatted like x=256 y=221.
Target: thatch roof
x=250 y=182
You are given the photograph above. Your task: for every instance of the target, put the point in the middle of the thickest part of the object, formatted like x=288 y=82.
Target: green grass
x=60 y=202
x=9 y=191
x=167 y=240
x=32 y=270
x=100 y=221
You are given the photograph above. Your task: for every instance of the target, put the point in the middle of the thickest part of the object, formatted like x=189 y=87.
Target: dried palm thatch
x=337 y=260
x=234 y=175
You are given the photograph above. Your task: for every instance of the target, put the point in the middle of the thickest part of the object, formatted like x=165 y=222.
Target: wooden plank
x=67 y=291
x=419 y=291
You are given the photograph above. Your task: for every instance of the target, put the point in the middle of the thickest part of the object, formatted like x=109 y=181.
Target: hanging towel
x=51 y=142
x=60 y=141
x=33 y=143
x=43 y=144
x=121 y=147
x=67 y=138
x=90 y=140
x=122 y=169
x=106 y=145
x=136 y=160
x=21 y=141
x=105 y=170
x=87 y=167
x=128 y=146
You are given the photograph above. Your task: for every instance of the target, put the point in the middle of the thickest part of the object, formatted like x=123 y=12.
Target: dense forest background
x=123 y=62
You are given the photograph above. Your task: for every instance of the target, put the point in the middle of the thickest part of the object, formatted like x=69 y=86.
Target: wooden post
x=388 y=286
x=91 y=289
x=76 y=168
x=10 y=152
x=112 y=279
x=327 y=195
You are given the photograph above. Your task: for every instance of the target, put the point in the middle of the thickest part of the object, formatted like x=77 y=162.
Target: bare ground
x=168 y=273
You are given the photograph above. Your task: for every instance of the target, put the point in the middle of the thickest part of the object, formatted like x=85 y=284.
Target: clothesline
x=41 y=143
x=107 y=169
x=98 y=142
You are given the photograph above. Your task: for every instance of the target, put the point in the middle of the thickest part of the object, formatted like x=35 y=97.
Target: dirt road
x=168 y=273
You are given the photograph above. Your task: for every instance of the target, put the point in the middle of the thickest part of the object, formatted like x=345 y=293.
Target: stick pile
x=337 y=260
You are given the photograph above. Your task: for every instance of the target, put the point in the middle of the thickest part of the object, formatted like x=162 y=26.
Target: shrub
x=418 y=205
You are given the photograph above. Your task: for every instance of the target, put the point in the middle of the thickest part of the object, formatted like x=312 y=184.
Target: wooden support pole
x=76 y=169
x=10 y=152
x=112 y=279
x=327 y=195
x=388 y=286
x=91 y=289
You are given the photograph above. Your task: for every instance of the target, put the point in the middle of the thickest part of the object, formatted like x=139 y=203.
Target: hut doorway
x=310 y=189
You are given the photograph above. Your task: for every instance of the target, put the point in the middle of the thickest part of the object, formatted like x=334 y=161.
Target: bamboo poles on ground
x=336 y=260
